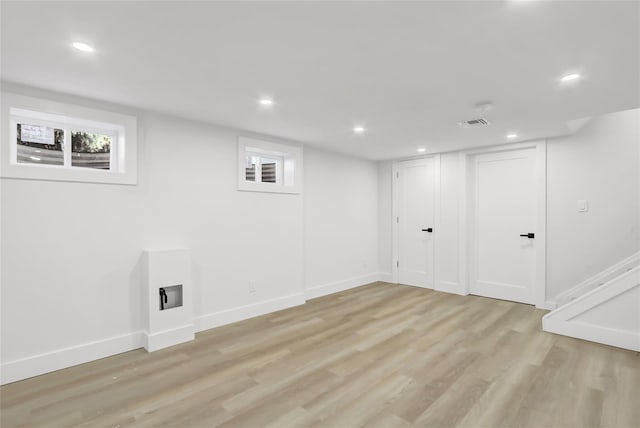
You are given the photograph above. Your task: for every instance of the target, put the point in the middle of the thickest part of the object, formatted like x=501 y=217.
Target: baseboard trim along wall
x=624 y=339
x=603 y=314
x=338 y=286
x=386 y=277
x=62 y=358
x=240 y=313
x=164 y=339
x=452 y=287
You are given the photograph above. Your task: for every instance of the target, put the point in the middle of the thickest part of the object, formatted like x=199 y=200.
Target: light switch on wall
x=583 y=206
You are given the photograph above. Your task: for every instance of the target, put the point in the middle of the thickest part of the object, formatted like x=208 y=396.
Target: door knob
x=429 y=229
x=529 y=235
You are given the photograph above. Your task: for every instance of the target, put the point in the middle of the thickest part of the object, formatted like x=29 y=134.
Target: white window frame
x=288 y=168
x=71 y=118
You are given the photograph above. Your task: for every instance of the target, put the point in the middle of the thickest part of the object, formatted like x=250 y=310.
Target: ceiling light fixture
x=570 y=77
x=421 y=150
x=358 y=129
x=511 y=136
x=83 y=47
x=266 y=102
x=484 y=106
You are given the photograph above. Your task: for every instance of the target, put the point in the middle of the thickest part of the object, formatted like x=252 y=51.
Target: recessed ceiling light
x=83 y=47
x=484 y=106
x=358 y=129
x=570 y=77
x=266 y=102
x=511 y=136
x=421 y=150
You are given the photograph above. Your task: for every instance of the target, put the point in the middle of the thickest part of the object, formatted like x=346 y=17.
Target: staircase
x=603 y=309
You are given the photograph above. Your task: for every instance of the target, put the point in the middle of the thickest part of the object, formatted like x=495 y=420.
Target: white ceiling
x=407 y=71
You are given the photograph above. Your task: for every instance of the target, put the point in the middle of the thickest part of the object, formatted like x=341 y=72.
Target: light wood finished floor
x=381 y=355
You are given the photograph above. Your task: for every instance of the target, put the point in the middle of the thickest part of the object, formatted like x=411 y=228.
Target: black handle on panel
x=529 y=235
x=163 y=298
x=429 y=229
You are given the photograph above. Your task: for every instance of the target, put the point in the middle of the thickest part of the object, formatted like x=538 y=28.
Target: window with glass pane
x=250 y=167
x=269 y=170
x=262 y=169
x=90 y=150
x=38 y=144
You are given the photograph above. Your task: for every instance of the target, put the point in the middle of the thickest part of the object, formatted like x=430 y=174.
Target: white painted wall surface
x=600 y=163
x=71 y=259
x=72 y=252
x=385 y=218
x=341 y=222
x=448 y=235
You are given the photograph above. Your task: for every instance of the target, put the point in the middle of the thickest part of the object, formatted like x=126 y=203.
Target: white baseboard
x=337 y=286
x=549 y=305
x=452 y=287
x=24 y=368
x=62 y=358
x=164 y=339
x=609 y=302
x=228 y=316
x=609 y=336
x=386 y=277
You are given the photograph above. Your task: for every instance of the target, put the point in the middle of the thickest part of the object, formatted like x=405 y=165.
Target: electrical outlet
x=252 y=286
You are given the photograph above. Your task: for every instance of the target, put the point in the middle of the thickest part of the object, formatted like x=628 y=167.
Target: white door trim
x=395 y=235
x=466 y=226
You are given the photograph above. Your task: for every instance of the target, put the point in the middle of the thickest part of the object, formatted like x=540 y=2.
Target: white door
x=416 y=197
x=503 y=261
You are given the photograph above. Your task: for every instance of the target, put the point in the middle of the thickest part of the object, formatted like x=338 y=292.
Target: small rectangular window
x=67 y=142
x=264 y=166
x=263 y=169
x=90 y=150
x=39 y=144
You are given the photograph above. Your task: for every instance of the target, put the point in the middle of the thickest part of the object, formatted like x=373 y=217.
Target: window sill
x=246 y=186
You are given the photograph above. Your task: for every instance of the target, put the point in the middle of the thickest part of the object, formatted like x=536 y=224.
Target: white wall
x=71 y=252
x=71 y=270
x=385 y=216
x=448 y=235
x=341 y=222
x=600 y=163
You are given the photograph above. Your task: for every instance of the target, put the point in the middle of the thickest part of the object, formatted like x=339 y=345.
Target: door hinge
x=398 y=263
x=398 y=174
x=397 y=219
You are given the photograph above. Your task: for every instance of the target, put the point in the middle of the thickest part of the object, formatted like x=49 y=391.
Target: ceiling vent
x=474 y=123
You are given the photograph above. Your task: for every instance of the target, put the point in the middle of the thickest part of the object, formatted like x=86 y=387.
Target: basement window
x=269 y=167
x=263 y=169
x=55 y=141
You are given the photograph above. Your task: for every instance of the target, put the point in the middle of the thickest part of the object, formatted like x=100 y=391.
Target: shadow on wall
x=136 y=293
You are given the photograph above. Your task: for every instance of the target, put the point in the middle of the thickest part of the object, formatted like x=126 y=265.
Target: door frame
x=395 y=232
x=467 y=226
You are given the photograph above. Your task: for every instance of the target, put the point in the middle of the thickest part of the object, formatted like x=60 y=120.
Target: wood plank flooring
x=380 y=355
